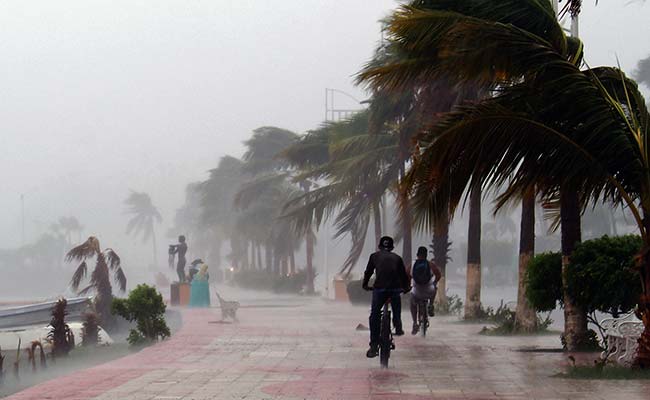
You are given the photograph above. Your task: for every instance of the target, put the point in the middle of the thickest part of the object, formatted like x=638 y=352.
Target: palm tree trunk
x=407 y=227
x=575 y=318
x=642 y=359
x=377 y=223
x=407 y=240
x=526 y=317
x=473 y=293
x=285 y=266
x=155 y=249
x=276 y=262
x=440 y=250
x=244 y=251
x=268 y=255
x=259 y=256
x=253 y=265
x=309 y=244
x=292 y=262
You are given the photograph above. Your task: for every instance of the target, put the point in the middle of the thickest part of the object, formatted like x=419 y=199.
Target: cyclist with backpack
x=425 y=276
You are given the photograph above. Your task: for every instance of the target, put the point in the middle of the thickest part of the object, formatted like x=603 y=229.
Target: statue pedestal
x=180 y=294
x=340 y=289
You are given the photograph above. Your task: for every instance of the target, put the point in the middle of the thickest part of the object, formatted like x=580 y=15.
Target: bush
x=263 y=280
x=90 y=330
x=293 y=283
x=60 y=334
x=600 y=277
x=145 y=306
x=453 y=306
x=357 y=294
x=504 y=320
x=544 y=281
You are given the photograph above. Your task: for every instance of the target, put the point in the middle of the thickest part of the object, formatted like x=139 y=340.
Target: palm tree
x=68 y=225
x=572 y=135
x=642 y=73
x=143 y=220
x=358 y=168
x=100 y=281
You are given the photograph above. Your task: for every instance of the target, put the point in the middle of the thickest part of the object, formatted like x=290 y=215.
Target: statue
x=181 y=250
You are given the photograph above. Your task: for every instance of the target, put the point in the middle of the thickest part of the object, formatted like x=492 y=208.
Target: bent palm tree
x=106 y=261
x=143 y=220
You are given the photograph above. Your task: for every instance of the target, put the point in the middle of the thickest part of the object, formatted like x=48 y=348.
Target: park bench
x=228 y=308
x=621 y=335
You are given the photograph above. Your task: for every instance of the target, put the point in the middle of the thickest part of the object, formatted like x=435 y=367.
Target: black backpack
x=421 y=272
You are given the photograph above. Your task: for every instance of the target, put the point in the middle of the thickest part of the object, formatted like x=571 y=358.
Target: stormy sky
x=99 y=97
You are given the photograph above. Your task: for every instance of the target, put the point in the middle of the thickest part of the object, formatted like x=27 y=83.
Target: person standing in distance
x=390 y=281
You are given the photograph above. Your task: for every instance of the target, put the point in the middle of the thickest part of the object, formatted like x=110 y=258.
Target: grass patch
x=606 y=373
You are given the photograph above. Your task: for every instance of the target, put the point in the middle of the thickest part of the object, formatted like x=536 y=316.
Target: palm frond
x=79 y=275
x=112 y=259
x=120 y=278
x=86 y=290
x=252 y=190
x=87 y=249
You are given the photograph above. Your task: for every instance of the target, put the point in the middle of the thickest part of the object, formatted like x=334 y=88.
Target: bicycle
x=423 y=315
x=386 y=342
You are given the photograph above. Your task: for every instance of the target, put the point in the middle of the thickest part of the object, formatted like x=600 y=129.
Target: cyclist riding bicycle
x=425 y=276
x=391 y=280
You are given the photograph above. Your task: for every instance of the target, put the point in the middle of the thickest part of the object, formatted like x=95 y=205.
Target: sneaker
x=415 y=330
x=372 y=352
x=399 y=332
x=431 y=310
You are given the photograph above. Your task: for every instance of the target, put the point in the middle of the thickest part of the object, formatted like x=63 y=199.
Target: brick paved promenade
x=311 y=351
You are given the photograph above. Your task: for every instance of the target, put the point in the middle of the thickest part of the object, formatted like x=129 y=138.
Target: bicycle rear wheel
x=384 y=340
x=424 y=323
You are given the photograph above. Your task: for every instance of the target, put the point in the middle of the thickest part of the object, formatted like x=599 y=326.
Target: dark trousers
x=379 y=297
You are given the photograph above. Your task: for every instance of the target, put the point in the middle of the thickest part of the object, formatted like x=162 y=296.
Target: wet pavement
x=308 y=348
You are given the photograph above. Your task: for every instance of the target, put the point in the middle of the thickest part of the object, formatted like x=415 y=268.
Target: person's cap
x=386 y=243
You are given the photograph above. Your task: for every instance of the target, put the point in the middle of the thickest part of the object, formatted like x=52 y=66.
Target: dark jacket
x=390 y=270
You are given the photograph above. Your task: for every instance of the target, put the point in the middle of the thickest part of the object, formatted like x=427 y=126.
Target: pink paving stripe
x=86 y=384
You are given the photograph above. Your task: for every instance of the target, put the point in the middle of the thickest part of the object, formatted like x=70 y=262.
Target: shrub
x=263 y=280
x=602 y=277
x=90 y=330
x=544 y=281
x=357 y=294
x=145 y=306
x=293 y=283
x=60 y=334
x=453 y=306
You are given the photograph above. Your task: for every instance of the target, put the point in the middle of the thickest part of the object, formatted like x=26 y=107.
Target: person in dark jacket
x=390 y=281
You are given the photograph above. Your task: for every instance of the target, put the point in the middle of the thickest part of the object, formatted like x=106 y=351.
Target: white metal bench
x=622 y=335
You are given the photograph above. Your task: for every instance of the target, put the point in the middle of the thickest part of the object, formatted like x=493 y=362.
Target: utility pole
x=22 y=212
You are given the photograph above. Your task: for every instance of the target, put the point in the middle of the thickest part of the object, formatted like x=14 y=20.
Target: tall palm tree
x=106 y=261
x=68 y=226
x=358 y=168
x=574 y=135
x=144 y=217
